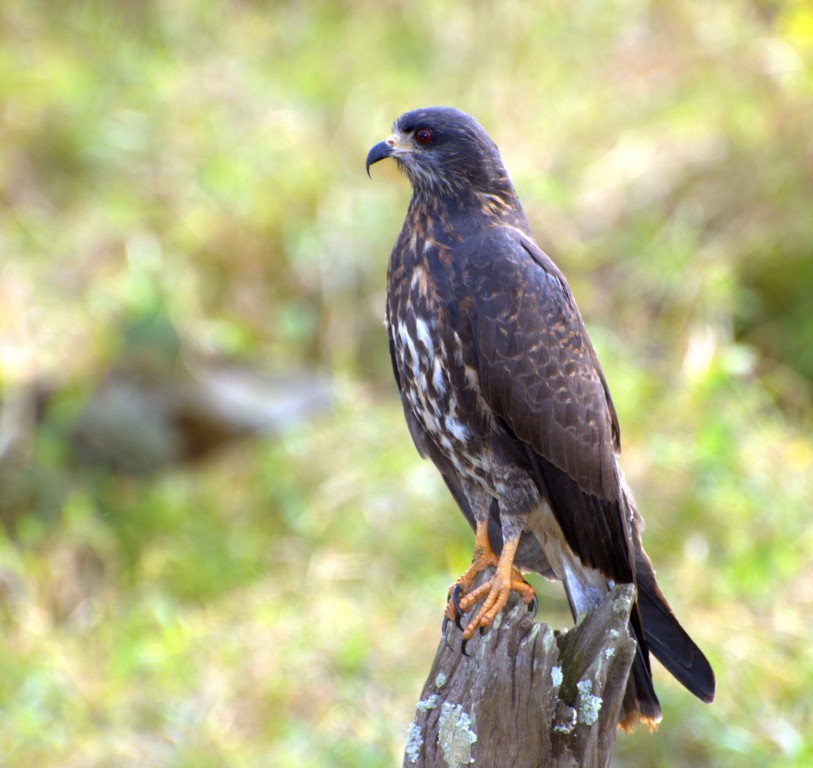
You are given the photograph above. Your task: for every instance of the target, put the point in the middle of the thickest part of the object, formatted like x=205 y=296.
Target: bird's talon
x=533 y=607
x=456 y=597
x=463 y=648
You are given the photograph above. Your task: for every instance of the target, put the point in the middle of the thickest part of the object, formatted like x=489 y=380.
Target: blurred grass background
x=183 y=199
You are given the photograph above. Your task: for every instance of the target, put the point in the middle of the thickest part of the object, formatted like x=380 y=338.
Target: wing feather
x=540 y=374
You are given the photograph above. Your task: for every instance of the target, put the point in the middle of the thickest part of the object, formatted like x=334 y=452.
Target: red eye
x=423 y=135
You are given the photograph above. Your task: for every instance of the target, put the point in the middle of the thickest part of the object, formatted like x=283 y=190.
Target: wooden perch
x=528 y=696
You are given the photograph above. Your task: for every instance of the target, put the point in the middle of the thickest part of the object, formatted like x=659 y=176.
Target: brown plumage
x=503 y=391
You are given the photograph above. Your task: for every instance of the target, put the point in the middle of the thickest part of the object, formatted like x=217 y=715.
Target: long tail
x=667 y=640
x=656 y=629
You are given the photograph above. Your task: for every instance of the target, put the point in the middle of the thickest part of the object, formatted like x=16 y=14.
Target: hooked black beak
x=380 y=151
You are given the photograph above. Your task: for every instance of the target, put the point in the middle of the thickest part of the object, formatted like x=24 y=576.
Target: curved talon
x=488 y=599
x=533 y=607
x=456 y=597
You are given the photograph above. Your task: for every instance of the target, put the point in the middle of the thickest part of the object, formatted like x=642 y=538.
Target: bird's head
x=445 y=152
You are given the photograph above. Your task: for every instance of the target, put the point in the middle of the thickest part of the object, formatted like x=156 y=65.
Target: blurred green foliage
x=202 y=162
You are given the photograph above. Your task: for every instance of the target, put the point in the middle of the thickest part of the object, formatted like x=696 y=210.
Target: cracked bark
x=528 y=696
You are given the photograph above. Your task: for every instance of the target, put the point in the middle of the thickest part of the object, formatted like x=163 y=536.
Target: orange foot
x=494 y=593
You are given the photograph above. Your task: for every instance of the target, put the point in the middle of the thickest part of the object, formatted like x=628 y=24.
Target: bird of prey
x=502 y=390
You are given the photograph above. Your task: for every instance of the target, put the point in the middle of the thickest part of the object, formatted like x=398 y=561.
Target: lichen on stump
x=527 y=696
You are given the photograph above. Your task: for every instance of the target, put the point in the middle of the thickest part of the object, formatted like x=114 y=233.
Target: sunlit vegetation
x=183 y=182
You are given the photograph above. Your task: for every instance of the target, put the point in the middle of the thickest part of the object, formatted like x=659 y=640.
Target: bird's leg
x=496 y=590
x=482 y=558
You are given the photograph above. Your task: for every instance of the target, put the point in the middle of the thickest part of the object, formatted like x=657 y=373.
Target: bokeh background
x=219 y=546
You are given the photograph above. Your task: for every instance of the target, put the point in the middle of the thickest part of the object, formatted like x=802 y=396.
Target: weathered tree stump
x=528 y=696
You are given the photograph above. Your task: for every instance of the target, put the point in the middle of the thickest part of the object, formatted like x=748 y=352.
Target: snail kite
x=503 y=391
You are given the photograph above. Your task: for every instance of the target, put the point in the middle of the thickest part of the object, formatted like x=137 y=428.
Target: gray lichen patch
x=440 y=680
x=430 y=702
x=622 y=604
x=455 y=735
x=589 y=705
x=414 y=742
x=556 y=676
